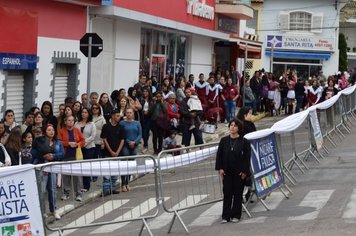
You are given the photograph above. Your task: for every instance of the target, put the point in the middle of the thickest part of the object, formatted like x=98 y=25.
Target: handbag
x=7 y=157
x=78 y=153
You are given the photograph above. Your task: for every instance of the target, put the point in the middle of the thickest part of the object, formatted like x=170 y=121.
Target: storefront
x=164 y=39
x=308 y=55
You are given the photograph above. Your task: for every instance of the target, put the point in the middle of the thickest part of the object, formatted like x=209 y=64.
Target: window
x=301 y=21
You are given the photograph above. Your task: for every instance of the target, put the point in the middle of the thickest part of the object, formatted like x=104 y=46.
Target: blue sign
x=13 y=61
x=106 y=2
x=265 y=165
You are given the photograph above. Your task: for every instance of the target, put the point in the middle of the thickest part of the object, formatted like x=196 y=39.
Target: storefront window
x=163 y=54
x=181 y=52
x=145 y=51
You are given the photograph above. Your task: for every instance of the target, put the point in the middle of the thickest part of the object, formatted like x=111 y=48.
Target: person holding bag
x=160 y=123
x=5 y=159
x=71 y=139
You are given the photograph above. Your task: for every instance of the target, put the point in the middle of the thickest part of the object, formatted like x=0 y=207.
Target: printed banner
x=265 y=165
x=298 y=42
x=318 y=136
x=20 y=212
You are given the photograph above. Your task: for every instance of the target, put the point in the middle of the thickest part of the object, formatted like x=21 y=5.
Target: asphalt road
x=323 y=201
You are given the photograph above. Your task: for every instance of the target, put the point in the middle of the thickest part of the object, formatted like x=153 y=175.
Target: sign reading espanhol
x=296 y=42
x=14 y=61
x=265 y=165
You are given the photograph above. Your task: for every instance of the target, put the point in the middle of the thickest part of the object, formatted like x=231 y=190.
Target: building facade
x=301 y=35
x=39 y=50
x=160 y=38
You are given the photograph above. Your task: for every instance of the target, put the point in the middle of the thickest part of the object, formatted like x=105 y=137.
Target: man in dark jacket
x=255 y=85
x=186 y=117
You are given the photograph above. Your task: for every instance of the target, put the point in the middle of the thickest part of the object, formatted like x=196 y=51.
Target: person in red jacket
x=173 y=112
x=71 y=138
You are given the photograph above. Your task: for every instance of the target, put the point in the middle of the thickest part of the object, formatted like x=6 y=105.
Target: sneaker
x=78 y=198
x=65 y=197
x=224 y=221
x=124 y=189
x=84 y=190
x=234 y=220
x=144 y=150
x=56 y=216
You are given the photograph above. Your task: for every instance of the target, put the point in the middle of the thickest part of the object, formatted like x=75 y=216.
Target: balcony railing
x=234 y=2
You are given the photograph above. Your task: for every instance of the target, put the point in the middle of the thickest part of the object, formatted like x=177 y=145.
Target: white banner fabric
x=20 y=211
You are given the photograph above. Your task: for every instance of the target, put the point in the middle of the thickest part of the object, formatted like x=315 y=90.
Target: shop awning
x=254 y=48
x=298 y=55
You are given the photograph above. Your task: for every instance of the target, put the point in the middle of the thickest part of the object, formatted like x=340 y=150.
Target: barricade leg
x=284 y=193
x=145 y=225
x=176 y=215
x=290 y=176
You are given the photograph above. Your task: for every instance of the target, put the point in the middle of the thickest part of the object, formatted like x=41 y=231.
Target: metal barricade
x=107 y=206
x=189 y=179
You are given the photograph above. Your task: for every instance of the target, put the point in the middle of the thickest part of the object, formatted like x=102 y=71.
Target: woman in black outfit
x=245 y=115
x=232 y=162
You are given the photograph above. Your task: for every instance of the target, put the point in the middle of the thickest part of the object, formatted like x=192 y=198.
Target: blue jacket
x=58 y=153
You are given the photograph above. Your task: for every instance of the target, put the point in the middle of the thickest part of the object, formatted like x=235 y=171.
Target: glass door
x=158 y=67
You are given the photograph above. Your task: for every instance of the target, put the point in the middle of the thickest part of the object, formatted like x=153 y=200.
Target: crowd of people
x=120 y=124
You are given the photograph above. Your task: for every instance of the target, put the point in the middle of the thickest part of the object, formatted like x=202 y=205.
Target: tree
x=343 y=53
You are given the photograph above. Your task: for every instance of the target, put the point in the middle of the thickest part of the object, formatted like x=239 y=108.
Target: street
x=321 y=203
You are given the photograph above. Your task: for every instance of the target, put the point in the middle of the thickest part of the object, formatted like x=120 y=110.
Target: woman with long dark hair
x=9 y=120
x=232 y=163
x=145 y=119
x=13 y=146
x=88 y=129
x=106 y=106
x=47 y=111
x=47 y=148
x=134 y=102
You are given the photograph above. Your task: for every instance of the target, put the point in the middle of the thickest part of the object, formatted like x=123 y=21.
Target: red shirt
x=230 y=92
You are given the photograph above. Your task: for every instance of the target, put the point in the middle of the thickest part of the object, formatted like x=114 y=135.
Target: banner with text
x=20 y=212
x=265 y=165
x=298 y=42
x=318 y=136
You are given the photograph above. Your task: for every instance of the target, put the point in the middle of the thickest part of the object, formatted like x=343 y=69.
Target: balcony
x=238 y=9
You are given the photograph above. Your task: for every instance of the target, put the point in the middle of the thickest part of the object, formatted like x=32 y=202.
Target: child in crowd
x=170 y=142
x=26 y=155
x=194 y=105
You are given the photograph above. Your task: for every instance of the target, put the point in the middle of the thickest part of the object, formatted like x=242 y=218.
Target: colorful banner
x=318 y=136
x=20 y=211
x=265 y=165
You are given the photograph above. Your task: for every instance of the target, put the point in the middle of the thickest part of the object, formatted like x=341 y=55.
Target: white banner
x=20 y=211
x=318 y=136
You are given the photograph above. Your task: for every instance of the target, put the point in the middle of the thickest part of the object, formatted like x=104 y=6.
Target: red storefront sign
x=176 y=10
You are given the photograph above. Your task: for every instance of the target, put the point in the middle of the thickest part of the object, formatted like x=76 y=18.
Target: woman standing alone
x=232 y=162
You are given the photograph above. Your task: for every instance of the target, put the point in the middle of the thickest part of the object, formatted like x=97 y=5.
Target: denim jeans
x=230 y=109
x=146 y=126
x=299 y=105
x=187 y=134
x=49 y=183
x=88 y=153
x=126 y=151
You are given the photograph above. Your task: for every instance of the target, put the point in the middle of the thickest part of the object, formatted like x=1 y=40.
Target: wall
x=200 y=55
x=127 y=54
x=270 y=25
x=103 y=64
x=173 y=10
x=46 y=48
